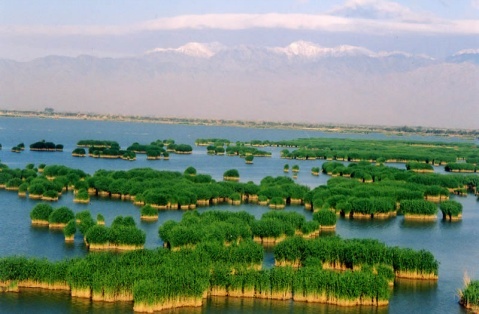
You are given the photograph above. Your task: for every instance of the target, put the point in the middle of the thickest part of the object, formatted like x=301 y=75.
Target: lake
x=455 y=245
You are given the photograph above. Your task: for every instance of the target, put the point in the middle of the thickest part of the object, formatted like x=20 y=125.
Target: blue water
x=454 y=244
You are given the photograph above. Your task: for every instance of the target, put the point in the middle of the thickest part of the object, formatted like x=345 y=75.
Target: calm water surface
x=455 y=245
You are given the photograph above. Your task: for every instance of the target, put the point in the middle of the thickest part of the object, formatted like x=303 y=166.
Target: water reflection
x=250 y=305
x=360 y=224
x=418 y=224
x=81 y=305
x=414 y=286
x=29 y=300
x=32 y=300
x=450 y=225
x=327 y=233
x=420 y=295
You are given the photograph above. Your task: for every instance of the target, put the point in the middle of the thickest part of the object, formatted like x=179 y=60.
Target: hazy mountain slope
x=253 y=83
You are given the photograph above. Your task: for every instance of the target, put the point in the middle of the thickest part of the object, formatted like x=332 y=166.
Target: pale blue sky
x=52 y=12
x=30 y=29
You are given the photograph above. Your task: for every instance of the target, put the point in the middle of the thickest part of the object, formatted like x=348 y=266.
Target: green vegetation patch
x=451 y=209
x=97 y=143
x=216 y=226
x=470 y=295
x=437 y=153
x=418 y=207
x=61 y=215
x=41 y=212
x=336 y=253
x=122 y=233
x=46 y=146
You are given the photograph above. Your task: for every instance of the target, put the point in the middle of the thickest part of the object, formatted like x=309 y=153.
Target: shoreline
x=323 y=127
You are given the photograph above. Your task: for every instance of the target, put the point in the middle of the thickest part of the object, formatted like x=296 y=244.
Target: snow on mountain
x=307 y=49
x=465 y=55
x=466 y=52
x=311 y=50
x=385 y=54
x=298 y=49
x=193 y=49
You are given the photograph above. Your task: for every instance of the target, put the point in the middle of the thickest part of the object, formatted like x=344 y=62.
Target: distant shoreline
x=328 y=128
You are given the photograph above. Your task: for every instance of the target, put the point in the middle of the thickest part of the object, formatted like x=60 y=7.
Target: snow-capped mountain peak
x=467 y=52
x=465 y=55
x=351 y=51
x=396 y=53
x=307 y=49
x=296 y=50
x=300 y=48
x=193 y=49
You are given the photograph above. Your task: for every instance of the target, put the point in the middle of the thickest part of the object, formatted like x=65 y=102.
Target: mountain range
x=301 y=82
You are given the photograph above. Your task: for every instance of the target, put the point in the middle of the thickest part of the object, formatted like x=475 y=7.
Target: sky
x=32 y=29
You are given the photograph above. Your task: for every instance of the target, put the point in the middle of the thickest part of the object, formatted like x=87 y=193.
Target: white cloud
x=328 y=23
x=247 y=21
x=379 y=9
